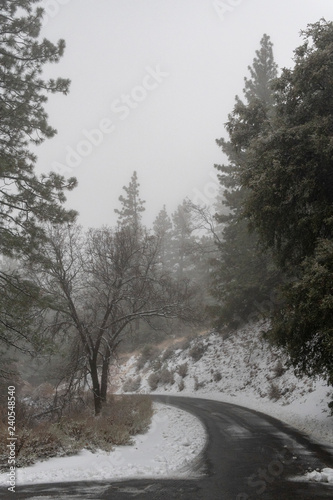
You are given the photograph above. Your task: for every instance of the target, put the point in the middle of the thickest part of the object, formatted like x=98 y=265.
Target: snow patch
x=323 y=476
x=174 y=440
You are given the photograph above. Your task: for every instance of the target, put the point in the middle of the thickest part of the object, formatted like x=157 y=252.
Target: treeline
x=276 y=257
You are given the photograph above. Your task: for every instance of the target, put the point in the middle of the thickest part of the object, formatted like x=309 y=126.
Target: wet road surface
x=248 y=456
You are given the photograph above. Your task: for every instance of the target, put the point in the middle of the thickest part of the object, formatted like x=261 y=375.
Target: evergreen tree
x=263 y=71
x=303 y=325
x=162 y=227
x=182 y=239
x=26 y=200
x=242 y=276
x=291 y=187
x=131 y=206
x=290 y=181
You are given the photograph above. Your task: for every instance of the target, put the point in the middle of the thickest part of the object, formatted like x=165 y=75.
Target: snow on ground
x=165 y=451
x=324 y=476
x=239 y=368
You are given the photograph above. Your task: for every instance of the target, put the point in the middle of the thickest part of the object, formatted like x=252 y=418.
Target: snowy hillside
x=239 y=367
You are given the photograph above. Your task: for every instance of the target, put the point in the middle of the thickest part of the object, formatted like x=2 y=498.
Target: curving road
x=248 y=456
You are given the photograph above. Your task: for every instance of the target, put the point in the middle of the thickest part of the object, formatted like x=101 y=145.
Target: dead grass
x=122 y=418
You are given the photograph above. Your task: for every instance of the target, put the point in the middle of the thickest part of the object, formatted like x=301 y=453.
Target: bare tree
x=204 y=220
x=98 y=285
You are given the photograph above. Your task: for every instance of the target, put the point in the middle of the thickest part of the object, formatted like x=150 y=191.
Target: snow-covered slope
x=239 y=367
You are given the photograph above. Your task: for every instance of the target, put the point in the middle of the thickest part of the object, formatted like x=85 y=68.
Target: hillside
x=238 y=367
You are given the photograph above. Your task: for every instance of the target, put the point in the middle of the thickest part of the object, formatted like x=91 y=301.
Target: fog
x=153 y=82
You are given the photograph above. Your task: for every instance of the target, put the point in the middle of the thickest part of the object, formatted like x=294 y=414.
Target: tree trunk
x=96 y=386
x=104 y=378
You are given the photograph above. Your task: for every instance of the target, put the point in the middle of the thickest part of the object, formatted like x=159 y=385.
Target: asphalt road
x=248 y=456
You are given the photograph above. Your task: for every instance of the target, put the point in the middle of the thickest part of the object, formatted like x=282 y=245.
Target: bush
x=198 y=385
x=153 y=380
x=197 y=351
x=217 y=376
x=330 y=405
x=43 y=442
x=182 y=370
x=166 y=377
x=132 y=385
x=279 y=369
x=148 y=353
x=274 y=392
x=181 y=385
x=134 y=412
x=121 y=418
x=156 y=365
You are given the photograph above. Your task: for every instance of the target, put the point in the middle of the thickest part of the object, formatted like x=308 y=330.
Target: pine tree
x=263 y=71
x=182 y=239
x=26 y=200
x=243 y=276
x=247 y=121
x=162 y=227
x=132 y=206
x=290 y=181
x=303 y=325
x=291 y=187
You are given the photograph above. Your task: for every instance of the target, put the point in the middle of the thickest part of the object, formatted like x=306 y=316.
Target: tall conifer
x=243 y=276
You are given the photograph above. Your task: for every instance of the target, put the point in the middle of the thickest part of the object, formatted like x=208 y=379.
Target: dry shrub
x=274 y=392
x=121 y=418
x=162 y=377
x=153 y=380
x=166 y=377
x=198 y=385
x=132 y=385
x=279 y=369
x=168 y=353
x=181 y=385
x=156 y=365
x=43 y=441
x=148 y=353
x=197 y=351
x=182 y=370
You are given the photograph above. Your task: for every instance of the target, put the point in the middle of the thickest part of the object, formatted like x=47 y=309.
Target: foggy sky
x=153 y=82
